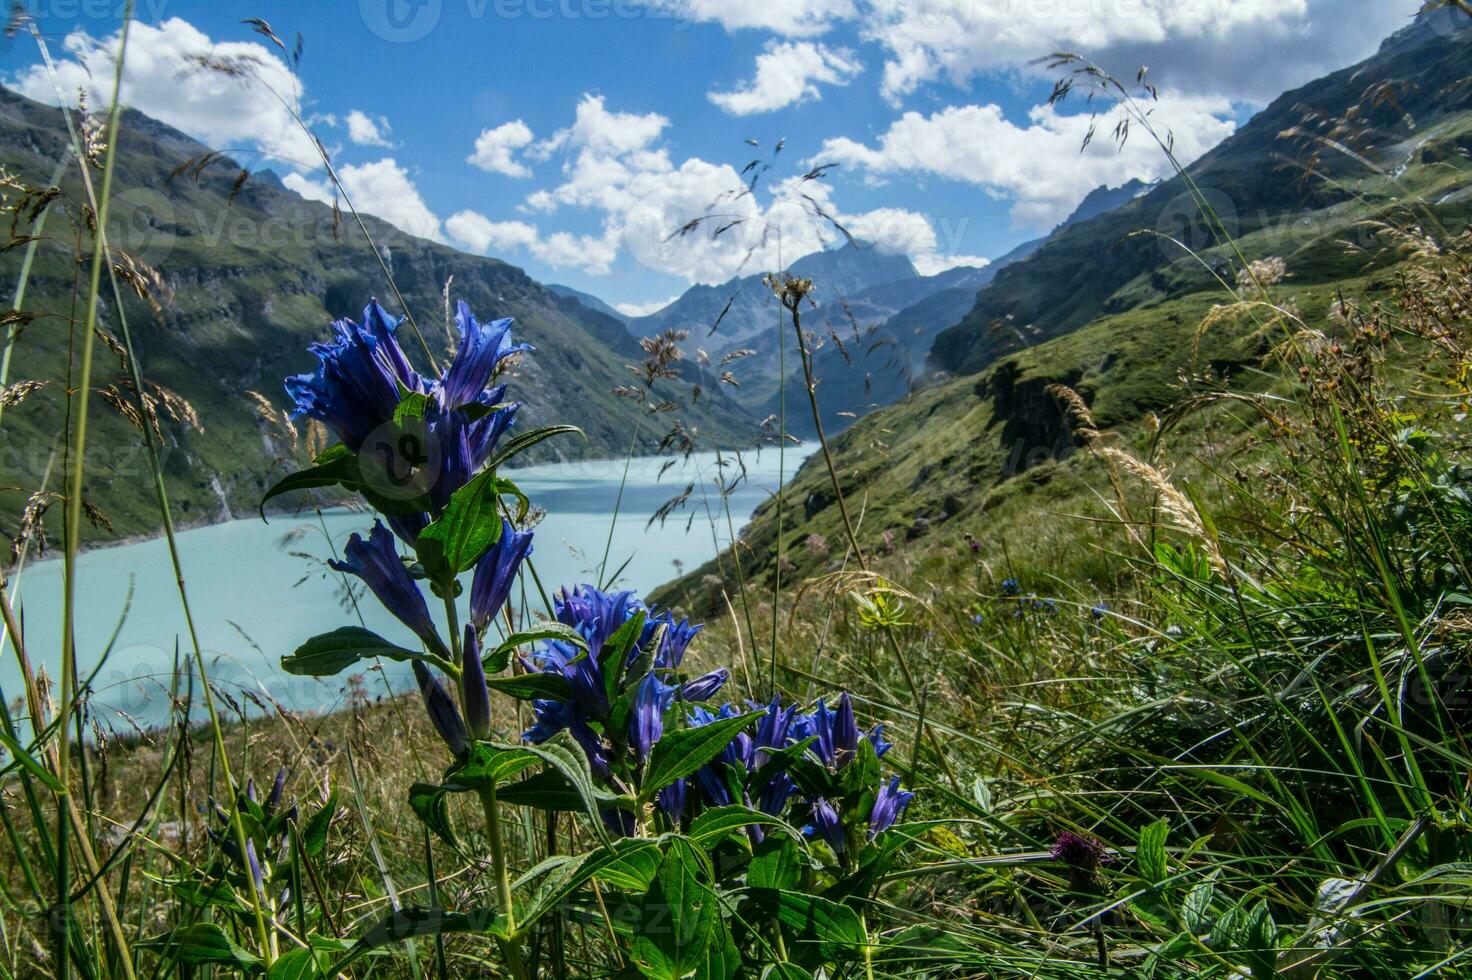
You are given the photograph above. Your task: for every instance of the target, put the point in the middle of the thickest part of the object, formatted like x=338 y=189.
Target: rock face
x=253 y=274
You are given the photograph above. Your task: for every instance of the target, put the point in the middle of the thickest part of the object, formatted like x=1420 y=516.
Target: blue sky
x=570 y=137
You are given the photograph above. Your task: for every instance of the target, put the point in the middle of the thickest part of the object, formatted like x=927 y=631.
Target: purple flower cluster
x=660 y=647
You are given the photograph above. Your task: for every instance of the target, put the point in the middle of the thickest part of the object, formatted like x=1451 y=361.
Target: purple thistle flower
x=496 y=572
x=827 y=824
x=704 y=687
x=377 y=563
x=1083 y=855
x=441 y=707
x=889 y=805
x=473 y=692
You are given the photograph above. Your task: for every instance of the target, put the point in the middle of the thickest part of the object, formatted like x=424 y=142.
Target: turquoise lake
x=258 y=590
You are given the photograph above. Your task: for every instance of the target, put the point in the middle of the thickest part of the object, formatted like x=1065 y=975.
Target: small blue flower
x=652 y=698
x=826 y=824
x=979 y=619
x=889 y=805
x=496 y=572
x=1099 y=611
x=376 y=561
x=1011 y=588
x=482 y=347
x=441 y=708
x=473 y=692
x=671 y=800
x=705 y=687
x=837 y=733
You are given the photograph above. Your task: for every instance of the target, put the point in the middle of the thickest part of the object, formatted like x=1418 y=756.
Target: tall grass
x=1250 y=759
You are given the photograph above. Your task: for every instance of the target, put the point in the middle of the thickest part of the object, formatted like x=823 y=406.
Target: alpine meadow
x=736 y=489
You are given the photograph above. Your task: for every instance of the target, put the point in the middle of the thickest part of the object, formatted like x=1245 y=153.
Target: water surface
x=258 y=590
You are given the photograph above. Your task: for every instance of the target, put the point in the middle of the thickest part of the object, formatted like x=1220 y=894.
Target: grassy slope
x=986 y=454
x=253 y=282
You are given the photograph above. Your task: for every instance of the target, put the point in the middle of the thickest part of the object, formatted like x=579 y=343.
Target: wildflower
x=748 y=753
x=837 y=734
x=376 y=562
x=597 y=616
x=1011 y=588
x=979 y=619
x=889 y=805
x=482 y=347
x=652 y=698
x=441 y=707
x=1098 y=611
x=826 y=824
x=355 y=388
x=1082 y=855
x=495 y=573
x=671 y=801
x=473 y=692
x=705 y=687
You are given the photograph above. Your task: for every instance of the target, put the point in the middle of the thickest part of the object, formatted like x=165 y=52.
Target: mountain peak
x=854 y=267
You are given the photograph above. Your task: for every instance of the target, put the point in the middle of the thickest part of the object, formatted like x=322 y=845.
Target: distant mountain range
x=252 y=275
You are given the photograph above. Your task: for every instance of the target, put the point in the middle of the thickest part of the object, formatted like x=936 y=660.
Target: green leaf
x=717 y=824
x=531 y=687
x=786 y=971
x=416 y=920
x=198 y=894
x=489 y=764
x=431 y=805
x=836 y=928
x=314 y=834
x=629 y=863
x=614 y=654
x=527 y=440
x=498 y=659
x=1196 y=909
x=1150 y=852
x=498 y=763
x=25 y=759
x=201 y=944
x=332 y=653
x=298 y=964
x=469 y=526
x=775 y=863
x=335 y=468
x=680 y=753
x=677 y=917
x=551 y=790
x=412 y=406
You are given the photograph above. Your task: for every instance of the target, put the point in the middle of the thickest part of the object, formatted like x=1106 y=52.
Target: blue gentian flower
x=376 y=561
x=837 y=733
x=652 y=698
x=704 y=687
x=357 y=384
x=671 y=800
x=496 y=572
x=597 y=615
x=747 y=753
x=441 y=708
x=827 y=824
x=1011 y=587
x=482 y=347
x=1098 y=611
x=473 y=692
x=979 y=619
x=889 y=806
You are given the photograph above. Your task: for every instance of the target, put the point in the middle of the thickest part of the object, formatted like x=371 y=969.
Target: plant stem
x=510 y=947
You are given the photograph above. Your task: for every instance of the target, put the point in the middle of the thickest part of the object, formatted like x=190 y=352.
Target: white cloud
x=477 y=233
x=787 y=73
x=936 y=263
x=644 y=309
x=1039 y=166
x=1248 y=50
x=382 y=189
x=495 y=149
x=792 y=18
x=366 y=130
x=228 y=114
